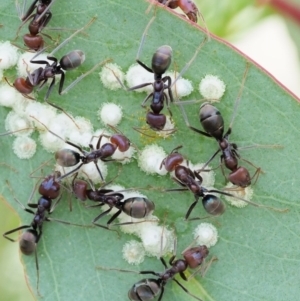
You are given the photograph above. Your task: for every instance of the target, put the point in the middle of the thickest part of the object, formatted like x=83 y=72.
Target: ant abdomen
x=28 y=242
x=121 y=141
x=144 y=290
x=212 y=120
x=161 y=59
x=240 y=177
x=67 y=157
x=156 y=121
x=138 y=207
x=23 y=85
x=195 y=256
x=213 y=205
x=72 y=60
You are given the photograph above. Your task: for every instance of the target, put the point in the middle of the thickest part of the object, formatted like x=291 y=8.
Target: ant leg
x=238 y=99
x=46 y=11
x=143 y=38
x=72 y=35
x=209 y=160
x=191 y=208
x=185 y=289
x=203 y=268
x=78 y=79
x=15 y=230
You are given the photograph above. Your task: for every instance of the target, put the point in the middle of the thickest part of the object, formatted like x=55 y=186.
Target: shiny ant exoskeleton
x=149 y=288
x=213 y=124
x=161 y=61
x=135 y=207
x=40 y=19
x=191 y=180
x=68 y=157
x=39 y=77
x=49 y=190
x=187 y=6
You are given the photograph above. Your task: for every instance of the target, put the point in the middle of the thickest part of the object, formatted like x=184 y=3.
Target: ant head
x=28 y=241
x=121 y=141
x=35 y=43
x=161 y=59
x=79 y=188
x=195 y=256
x=145 y=289
x=172 y=161
x=211 y=120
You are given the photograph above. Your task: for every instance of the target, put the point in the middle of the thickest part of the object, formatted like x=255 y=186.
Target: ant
x=213 y=124
x=68 y=157
x=191 y=180
x=49 y=190
x=136 y=207
x=187 y=6
x=40 y=19
x=148 y=288
x=39 y=77
x=161 y=61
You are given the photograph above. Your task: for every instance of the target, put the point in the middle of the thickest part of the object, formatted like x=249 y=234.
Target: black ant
x=191 y=180
x=213 y=124
x=161 y=61
x=49 y=190
x=136 y=207
x=68 y=157
x=39 y=77
x=148 y=288
x=40 y=19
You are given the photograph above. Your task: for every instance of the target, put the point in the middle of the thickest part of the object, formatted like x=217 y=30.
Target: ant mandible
x=148 y=288
x=49 y=190
x=161 y=61
x=213 y=124
x=191 y=180
x=40 y=19
x=135 y=207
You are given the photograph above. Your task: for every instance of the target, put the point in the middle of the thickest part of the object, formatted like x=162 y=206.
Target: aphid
x=149 y=288
x=191 y=180
x=40 y=19
x=49 y=190
x=135 y=207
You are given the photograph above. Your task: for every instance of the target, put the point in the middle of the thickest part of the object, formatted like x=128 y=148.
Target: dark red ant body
x=136 y=207
x=40 y=19
x=191 y=180
x=187 y=6
x=40 y=76
x=161 y=61
x=149 y=288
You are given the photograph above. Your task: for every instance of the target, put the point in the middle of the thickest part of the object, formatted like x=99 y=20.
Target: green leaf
x=258 y=257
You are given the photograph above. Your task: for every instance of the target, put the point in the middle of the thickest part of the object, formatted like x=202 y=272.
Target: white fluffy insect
x=245 y=193
x=137 y=75
x=24 y=147
x=212 y=88
x=9 y=95
x=150 y=159
x=208 y=176
x=19 y=124
x=108 y=76
x=133 y=252
x=110 y=113
x=183 y=87
x=8 y=55
x=206 y=234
